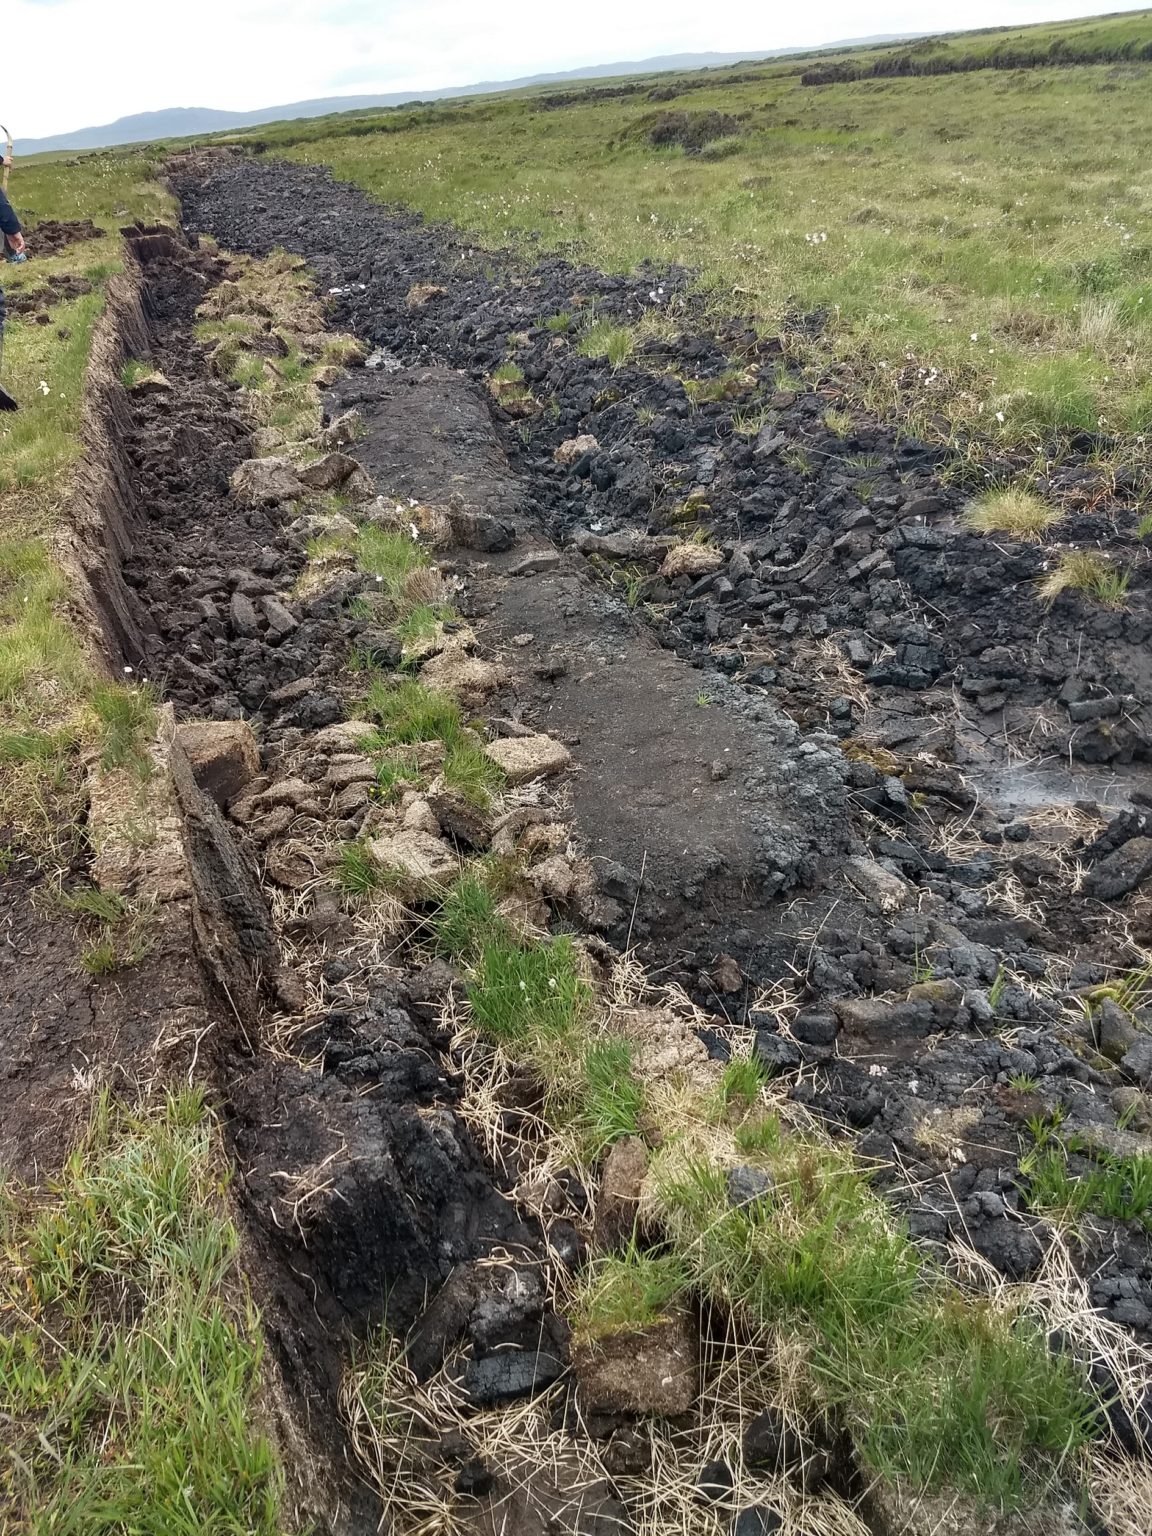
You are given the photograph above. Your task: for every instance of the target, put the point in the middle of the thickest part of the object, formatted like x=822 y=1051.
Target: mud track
x=864 y=613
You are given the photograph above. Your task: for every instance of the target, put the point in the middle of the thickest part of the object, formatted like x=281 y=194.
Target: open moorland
x=575 y=812
x=975 y=246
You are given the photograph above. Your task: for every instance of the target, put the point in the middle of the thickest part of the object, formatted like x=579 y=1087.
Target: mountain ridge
x=183 y=122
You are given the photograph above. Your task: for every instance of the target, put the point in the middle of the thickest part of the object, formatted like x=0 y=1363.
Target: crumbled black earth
x=37 y=303
x=51 y=236
x=868 y=552
x=362 y=1189
x=852 y=598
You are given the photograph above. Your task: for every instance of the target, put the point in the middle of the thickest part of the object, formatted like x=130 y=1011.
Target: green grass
x=839 y=422
x=467 y=918
x=379 y=1376
x=506 y=384
x=940 y=1389
x=276 y=392
x=996 y=990
x=749 y=421
x=133 y=371
x=611 y=1097
x=796 y=458
x=91 y=902
x=42 y=442
x=45 y=672
x=1109 y=1185
x=1120 y=39
x=394 y=771
x=604 y=338
x=358 y=873
x=742 y=1083
x=976 y=240
x=34 y=746
x=624 y=1293
x=532 y=999
x=129 y=1357
x=422 y=622
x=1024 y=1082
x=508 y=373
x=40 y=654
x=390 y=556
x=528 y=993
x=729 y=385
x=406 y=712
x=119 y=928
x=469 y=769
x=1131 y=989
x=126 y=720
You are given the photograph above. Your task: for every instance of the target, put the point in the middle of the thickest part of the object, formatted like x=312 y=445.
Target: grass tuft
x=469 y=769
x=422 y=622
x=612 y=1098
x=603 y=338
x=126 y=721
x=91 y=902
x=1089 y=572
x=751 y=420
x=624 y=1293
x=121 y=935
x=1119 y=1188
x=940 y=1389
x=468 y=919
x=389 y=555
x=358 y=873
x=526 y=994
x=394 y=771
x=1019 y=513
x=407 y=712
x=742 y=1083
x=839 y=422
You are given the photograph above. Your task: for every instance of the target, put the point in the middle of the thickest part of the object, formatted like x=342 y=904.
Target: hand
x=6 y=162
x=16 y=242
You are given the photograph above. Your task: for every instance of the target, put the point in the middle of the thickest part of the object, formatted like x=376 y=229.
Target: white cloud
x=72 y=63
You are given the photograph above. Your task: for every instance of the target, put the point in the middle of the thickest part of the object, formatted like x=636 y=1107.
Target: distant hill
x=186 y=122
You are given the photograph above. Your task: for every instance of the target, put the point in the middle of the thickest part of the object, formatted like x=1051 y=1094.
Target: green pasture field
x=979 y=241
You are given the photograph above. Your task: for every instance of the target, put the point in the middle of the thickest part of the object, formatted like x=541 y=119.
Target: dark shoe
x=6 y=401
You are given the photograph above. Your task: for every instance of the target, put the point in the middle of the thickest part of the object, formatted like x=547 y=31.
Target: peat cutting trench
x=828 y=769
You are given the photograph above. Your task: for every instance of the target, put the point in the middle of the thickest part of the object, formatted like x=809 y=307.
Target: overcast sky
x=72 y=63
